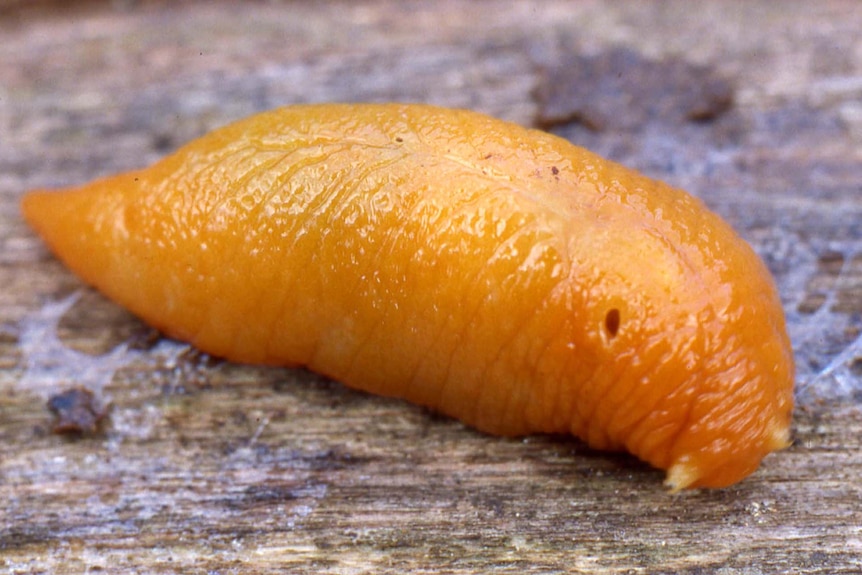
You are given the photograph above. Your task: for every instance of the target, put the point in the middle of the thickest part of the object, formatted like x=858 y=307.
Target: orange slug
x=494 y=273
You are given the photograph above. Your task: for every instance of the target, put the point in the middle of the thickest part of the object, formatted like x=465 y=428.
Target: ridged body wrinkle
x=497 y=274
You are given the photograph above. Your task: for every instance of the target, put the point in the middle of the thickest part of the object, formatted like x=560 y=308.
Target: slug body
x=497 y=274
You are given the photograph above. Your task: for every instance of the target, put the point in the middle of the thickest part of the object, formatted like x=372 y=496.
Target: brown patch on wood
x=77 y=411
x=621 y=89
x=839 y=275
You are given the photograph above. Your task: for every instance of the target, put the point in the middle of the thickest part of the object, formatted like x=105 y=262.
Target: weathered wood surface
x=202 y=466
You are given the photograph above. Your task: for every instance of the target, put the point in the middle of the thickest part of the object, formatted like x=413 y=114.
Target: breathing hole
x=612 y=322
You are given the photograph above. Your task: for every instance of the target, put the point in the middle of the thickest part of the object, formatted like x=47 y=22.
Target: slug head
x=691 y=367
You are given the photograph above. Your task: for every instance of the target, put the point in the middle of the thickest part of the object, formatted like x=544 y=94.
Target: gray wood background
x=203 y=466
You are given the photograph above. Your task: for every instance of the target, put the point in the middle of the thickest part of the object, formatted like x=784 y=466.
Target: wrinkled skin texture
x=497 y=274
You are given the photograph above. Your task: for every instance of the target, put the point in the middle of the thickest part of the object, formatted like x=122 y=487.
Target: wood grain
x=205 y=466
